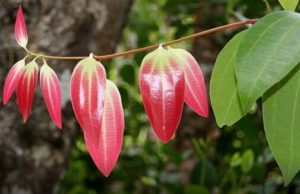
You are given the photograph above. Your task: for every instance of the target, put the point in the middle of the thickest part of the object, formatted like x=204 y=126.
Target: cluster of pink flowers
x=168 y=78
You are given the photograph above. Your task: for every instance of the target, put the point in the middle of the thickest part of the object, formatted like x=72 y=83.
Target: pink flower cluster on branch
x=168 y=78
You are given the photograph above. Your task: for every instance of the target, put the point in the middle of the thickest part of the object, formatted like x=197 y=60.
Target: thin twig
x=152 y=47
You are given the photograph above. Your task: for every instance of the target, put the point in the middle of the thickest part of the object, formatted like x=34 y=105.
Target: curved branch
x=152 y=47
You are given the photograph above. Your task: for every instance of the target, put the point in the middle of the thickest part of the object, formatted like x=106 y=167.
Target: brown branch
x=152 y=47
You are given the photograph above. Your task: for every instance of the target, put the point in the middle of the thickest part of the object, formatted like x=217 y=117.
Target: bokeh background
x=38 y=158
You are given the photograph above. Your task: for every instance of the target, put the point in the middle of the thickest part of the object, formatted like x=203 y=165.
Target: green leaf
x=281 y=113
x=223 y=86
x=268 y=52
x=289 y=4
x=247 y=161
x=235 y=159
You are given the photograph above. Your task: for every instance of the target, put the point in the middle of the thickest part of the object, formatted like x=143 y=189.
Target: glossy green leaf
x=268 y=53
x=289 y=4
x=223 y=86
x=281 y=113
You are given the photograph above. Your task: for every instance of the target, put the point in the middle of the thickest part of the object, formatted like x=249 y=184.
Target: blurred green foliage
x=237 y=161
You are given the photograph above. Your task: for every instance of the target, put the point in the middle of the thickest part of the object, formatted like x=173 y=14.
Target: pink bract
x=106 y=153
x=26 y=87
x=12 y=79
x=162 y=87
x=20 y=29
x=51 y=91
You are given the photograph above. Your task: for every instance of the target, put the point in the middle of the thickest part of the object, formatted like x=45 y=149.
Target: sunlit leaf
x=289 y=4
x=224 y=96
x=268 y=52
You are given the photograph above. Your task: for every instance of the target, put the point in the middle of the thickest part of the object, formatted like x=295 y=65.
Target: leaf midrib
x=268 y=58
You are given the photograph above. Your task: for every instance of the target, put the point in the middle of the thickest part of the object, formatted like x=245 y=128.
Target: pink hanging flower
x=20 y=29
x=168 y=78
x=195 y=94
x=162 y=88
x=97 y=106
x=106 y=153
x=26 y=87
x=12 y=79
x=51 y=91
x=88 y=82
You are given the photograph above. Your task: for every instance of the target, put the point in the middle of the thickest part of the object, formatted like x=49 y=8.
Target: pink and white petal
x=20 y=29
x=106 y=153
x=12 y=79
x=51 y=91
x=26 y=87
x=195 y=94
x=162 y=87
x=88 y=82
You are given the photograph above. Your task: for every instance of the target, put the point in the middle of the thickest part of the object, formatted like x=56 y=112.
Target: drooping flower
x=88 y=82
x=98 y=108
x=26 y=87
x=105 y=154
x=195 y=94
x=12 y=79
x=20 y=29
x=51 y=91
x=162 y=86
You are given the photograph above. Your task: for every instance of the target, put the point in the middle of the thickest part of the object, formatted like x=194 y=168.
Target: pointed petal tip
x=4 y=101
x=204 y=113
x=165 y=141
x=106 y=173
x=24 y=118
x=58 y=124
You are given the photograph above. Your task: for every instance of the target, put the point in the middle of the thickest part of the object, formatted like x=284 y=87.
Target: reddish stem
x=138 y=50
